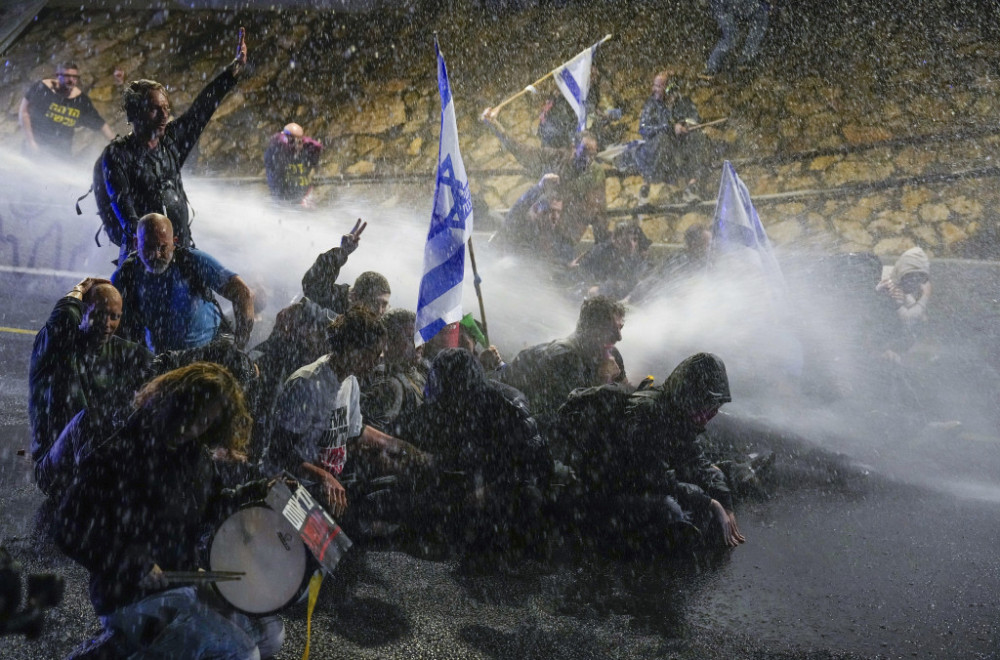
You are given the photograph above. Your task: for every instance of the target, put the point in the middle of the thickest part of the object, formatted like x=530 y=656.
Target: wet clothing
x=55 y=117
x=731 y=15
x=662 y=443
x=118 y=522
x=539 y=238
x=612 y=270
x=314 y=416
x=490 y=464
x=175 y=309
x=297 y=339
x=393 y=396
x=666 y=156
x=66 y=376
x=289 y=173
x=912 y=264
x=547 y=373
x=319 y=284
x=140 y=180
x=581 y=189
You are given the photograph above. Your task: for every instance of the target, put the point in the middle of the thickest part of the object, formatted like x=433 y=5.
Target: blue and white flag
x=573 y=80
x=740 y=244
x=737 y=226
x=440 y=299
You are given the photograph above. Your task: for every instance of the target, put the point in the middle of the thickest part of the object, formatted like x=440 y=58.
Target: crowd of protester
x=151 y=420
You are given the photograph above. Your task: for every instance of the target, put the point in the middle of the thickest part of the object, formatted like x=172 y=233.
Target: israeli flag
x=573 y=80
x=737 y=230
x=440 y=299
x=741 y=248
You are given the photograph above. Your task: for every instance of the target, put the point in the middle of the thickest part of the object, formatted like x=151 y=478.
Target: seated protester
x=534 y=225
x=78 y=363
x=613 y=268
x=317 y=430
x=298 y=338
x=490 y=466
x=581 y=178
x=168 y=293
x=909 y=286
x=319 y=284
x=688 y=263
x=671 y=151
x=547 y=373
x=397 y=385
x=222 y=352
x=128 y=526
x=662 y=445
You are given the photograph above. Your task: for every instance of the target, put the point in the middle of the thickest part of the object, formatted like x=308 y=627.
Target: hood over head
x=455 y=373
x=913 y=260
x=698 y=382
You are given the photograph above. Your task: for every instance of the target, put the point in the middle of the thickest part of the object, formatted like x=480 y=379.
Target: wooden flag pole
x=706 y=124
x=495 y=110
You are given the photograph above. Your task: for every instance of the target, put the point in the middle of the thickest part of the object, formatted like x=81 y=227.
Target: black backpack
x=592 y=425
x=109 y=219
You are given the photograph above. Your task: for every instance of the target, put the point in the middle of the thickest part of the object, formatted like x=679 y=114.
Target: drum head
x=260 y=542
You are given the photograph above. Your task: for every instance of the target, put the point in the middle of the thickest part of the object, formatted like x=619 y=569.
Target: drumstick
x=203 y=576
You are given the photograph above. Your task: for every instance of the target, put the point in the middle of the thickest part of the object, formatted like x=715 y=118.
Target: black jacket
x=139 y=180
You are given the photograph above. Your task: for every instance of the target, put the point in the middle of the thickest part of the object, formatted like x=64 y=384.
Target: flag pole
x=531 y=88
x=477 y=281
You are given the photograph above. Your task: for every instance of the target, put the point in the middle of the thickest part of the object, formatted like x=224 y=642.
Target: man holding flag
x=581 y=178
x=440 y=299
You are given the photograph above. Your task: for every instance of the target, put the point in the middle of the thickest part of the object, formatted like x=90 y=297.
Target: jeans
x=728 y=14
x=183 y=623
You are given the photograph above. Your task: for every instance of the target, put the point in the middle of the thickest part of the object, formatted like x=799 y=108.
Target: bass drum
x=259 y=541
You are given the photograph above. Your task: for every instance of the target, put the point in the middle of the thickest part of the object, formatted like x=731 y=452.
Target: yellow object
x=314 y=582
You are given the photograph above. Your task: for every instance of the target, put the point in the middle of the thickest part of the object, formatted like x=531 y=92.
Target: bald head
x=102 y=311
x=293 y=130
x=155 y=242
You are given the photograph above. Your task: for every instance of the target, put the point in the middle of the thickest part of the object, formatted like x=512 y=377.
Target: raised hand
x=241 y=53
x=349 y=241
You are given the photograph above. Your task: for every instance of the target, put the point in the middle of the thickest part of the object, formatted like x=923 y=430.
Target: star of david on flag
x=440 y=299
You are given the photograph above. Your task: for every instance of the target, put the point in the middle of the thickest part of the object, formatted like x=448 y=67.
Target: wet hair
x=369 y=285
x=185 y=391
x=397 y=320
x=630 y=228
x=596 y=311
x=65 y=66
x=134 y=97
x=544 y=203
x=357 y=329
x=93 y=294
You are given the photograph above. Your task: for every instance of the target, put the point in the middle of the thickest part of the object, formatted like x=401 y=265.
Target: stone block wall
x=840 y=159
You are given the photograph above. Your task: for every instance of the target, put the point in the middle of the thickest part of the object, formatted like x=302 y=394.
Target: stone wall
x=837 y=158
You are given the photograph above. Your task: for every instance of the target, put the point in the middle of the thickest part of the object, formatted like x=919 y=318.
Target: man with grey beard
x=169 y=293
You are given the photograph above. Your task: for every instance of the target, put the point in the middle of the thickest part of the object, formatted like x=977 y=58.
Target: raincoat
x=663 y=448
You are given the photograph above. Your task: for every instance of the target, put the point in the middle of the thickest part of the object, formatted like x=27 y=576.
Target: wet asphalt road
x=843 y=561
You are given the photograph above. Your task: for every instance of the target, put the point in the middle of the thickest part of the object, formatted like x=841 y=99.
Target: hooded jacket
x=662 y=451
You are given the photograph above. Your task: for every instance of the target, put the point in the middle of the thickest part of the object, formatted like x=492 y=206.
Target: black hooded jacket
x=471 y=425
x=662 y=451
